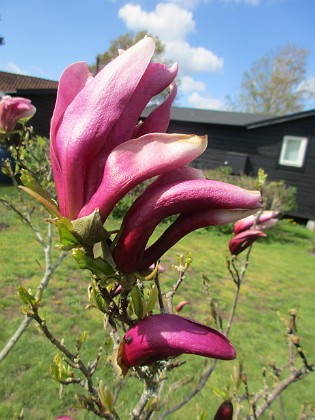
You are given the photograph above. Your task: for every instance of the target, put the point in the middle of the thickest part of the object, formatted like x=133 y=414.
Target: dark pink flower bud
x=158 y=337
x=225 y=411
x=180 y=306
x=243 y=240
x=14 y=109
x=267 y=219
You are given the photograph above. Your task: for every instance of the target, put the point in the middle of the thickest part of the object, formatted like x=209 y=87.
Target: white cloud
x=13 y=68
x=307 y=87
x=192 y=59
x=188 y=84
x=172 y=24
x=168 y=20
x=202 y=102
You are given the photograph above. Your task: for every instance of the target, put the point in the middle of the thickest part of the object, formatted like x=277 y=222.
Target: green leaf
x=89 y=229
x=106 y=397
x=97 y=266
x=96 y=298
x=30 y=182
x=220 y=393
x=153 y=295
x=67 y=240
x=80 y=340
x=26 y=297
x=58 y=370
x=31 y=187
x=138 y=302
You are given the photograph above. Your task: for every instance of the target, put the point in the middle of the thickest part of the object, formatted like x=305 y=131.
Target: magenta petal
x=160 y=336
x=158 y=120
x=191 y=198
x=185 y=224
x=249 y=221
x=243 y=240
x=85 y=116
x=136 y=160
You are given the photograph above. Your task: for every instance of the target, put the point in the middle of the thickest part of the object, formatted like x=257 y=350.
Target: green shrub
x=277 y=195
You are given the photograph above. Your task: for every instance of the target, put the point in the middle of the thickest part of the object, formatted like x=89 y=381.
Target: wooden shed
x=283 y=146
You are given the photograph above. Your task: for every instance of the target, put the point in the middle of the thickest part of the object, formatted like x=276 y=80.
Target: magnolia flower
x=199 y=203
x=99 y=151
x=266 y=220
x=225 y=411
x=14 y=109
x=243 y=240
x=158 y=337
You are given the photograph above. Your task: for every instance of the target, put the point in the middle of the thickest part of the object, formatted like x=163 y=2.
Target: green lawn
x=280 y=277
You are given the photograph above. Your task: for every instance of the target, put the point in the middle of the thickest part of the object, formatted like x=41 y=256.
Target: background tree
x=271 y=85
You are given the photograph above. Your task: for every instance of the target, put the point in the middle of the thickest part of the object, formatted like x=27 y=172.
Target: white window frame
x=302 y=152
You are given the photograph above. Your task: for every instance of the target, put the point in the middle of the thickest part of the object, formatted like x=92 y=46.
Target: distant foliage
x=277 y=195
x=271 y=85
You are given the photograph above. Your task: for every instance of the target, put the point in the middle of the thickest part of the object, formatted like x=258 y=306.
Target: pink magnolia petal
x=160 y=336
x=156 y=78
x=182 y=226
x=267 y=224
x=136 y=160
x=188 y=198
x=243 y=240
x=249 y=221
x=158 y=120
x=85 y=124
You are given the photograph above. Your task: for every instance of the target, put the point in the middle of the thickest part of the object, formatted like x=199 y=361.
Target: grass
x=280 y=277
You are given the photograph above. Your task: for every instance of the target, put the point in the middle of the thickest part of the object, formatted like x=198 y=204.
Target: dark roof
x=12 y=83
x=240 y=119
x=283 y=118
x=207 y=116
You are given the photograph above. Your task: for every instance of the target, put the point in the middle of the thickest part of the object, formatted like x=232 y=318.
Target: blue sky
x=213 y=41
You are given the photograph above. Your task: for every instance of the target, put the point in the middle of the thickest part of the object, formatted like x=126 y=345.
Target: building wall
x=262 y=145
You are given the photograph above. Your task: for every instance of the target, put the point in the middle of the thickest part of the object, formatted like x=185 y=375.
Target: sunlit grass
x=280 y=277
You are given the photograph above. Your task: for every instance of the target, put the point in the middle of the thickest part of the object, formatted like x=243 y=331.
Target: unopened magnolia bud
x=225 y=411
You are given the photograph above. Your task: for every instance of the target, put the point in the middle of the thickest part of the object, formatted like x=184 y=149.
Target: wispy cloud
x=13 y=68
x=188 y=84
x=202 y=102
x=307 y=87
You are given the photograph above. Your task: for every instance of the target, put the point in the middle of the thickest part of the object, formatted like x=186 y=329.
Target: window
x=293 y=151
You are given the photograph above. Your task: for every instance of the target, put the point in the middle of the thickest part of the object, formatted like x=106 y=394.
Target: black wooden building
x=283 y=146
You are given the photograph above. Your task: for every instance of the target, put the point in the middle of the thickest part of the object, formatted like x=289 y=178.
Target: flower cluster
x=100 y=150
x=12 y=110
x=247 y=230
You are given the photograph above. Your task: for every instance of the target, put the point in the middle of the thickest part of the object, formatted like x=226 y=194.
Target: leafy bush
x=277 y=195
